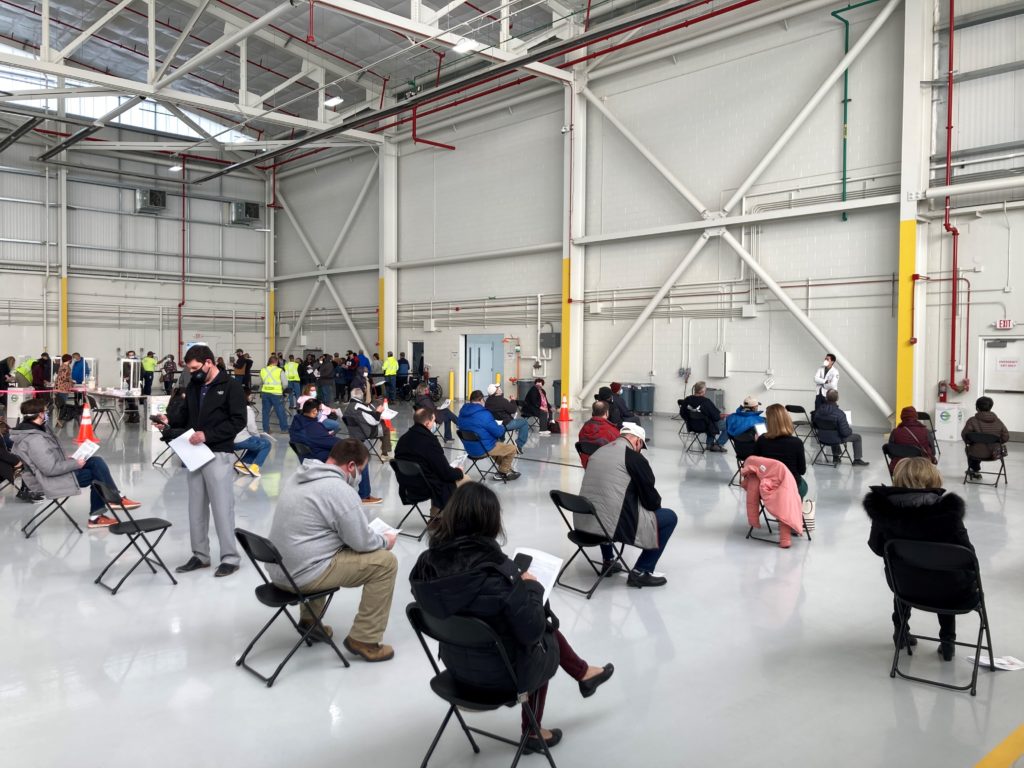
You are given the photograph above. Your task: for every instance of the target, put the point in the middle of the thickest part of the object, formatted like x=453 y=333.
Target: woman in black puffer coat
x=465 y=573
x=917 y=508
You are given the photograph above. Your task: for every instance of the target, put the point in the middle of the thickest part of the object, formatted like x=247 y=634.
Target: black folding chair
x=698 y=426
x=954 y=588
x=466 y=436
x=244 y=469
x=897 y=451
x=363 y=432
x=45 y=513
x=135 y=529
x=768 y=524
x=925 y=418
x=825 y=424
x=301 y=451
x=586 y=449
x=801 y=420
x=164 y=456
x=578 y=505
x=261 y=550
x=981 y=438
x=407 y=472
x=475 y=635
x=99 y=411
x=743 y=445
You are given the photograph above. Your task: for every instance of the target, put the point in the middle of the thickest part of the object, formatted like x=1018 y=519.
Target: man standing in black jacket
x=419 y=446
x=214 y=406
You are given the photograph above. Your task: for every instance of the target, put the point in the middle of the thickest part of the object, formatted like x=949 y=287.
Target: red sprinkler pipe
x=964 y=385
x=184 y=206
x=310 y=37
x=417 y=140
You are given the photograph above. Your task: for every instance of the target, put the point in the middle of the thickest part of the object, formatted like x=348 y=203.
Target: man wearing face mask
x=214 y=406
x=325 y=541
x=826 y=377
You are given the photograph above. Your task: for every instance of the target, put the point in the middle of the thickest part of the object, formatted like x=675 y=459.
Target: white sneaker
x=544 y=433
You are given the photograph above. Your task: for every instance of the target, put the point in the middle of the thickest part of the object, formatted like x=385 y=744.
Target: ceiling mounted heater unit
x=245 y=213
x=430 y=326
x=150 y=201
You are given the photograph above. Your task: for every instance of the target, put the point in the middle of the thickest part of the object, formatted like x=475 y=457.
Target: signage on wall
x=1003 y=325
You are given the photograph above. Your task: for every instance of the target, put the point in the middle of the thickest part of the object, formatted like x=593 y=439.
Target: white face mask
x=312 y=393
x=353 y=479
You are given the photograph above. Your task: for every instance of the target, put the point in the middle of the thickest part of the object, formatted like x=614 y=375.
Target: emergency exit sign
x=1004 y=325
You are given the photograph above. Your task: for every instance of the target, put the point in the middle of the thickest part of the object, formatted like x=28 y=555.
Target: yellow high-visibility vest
x=272 y=380
x=149 y=364
x=390 y=367
x=291 y=370
x=25 y=369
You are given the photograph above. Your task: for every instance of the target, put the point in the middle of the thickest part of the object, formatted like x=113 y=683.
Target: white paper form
x=545 y=567
x=379 y=526
x=192 y=456
x=85 y=450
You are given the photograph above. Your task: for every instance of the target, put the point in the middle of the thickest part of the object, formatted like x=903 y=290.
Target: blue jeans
x=667 y=520
x=326 y=391
x=95 y=469
x=523 y=427
x=364 y=484
x=292 y=392
x=256 y=450
x=723 y=438
x=392 y=385
x=277 y=403
x=331 y=425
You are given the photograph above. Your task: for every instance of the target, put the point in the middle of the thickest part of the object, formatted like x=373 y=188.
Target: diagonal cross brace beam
x=96 y=127
x=302 y=318
x=344 y=311
x=360 y=198
x=185 y=32
x=805 y=321
x=92 y=29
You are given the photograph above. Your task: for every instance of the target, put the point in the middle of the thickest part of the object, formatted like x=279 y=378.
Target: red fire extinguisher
x=942 y=391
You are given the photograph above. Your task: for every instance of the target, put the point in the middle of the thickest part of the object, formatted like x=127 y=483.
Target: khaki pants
x=503 y=453
x=375 y=572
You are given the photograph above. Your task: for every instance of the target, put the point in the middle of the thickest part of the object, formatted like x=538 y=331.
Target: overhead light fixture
x=174 y=168
x=465 y=45
x=262 y=229
x=333 y=101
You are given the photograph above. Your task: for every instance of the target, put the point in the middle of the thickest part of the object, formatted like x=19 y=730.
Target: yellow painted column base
x=905 y=316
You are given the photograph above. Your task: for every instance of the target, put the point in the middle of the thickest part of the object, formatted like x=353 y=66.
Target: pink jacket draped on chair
x=768 y=481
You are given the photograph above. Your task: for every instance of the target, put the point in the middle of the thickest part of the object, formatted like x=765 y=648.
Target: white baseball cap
x=629 y=428
x=492 y=388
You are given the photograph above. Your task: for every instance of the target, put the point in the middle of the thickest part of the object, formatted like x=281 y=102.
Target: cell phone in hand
x=522 y=562
x=156 y=419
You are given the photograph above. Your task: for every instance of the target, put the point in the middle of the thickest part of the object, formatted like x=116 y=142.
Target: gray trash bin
x=628 y=395
x=557 y=402
x=717 y=396
x=522 y=387
x=643 y=399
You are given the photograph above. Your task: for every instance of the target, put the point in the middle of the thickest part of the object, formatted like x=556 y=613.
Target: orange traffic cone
x=85 y=428
x=563 y=415
x=387 y=422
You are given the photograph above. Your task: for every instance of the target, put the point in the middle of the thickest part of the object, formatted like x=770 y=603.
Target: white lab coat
x=826 y=379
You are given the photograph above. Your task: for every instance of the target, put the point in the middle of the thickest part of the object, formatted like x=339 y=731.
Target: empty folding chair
x=99 y=411
x=981 y=438
x=485 y=459
x=135 y=529
x=696 y=424
x=359 y=430
x=941 y=579
x=261 y=550
x=579 y=505
x=896 y=451
x=409 y=475
x=471 y=636
x=801 y=420
x=826 y=432
x=925 y=418
x=164 y=456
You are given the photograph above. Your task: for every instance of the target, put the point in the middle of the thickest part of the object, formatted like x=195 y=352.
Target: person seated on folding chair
x=368 y=417
x=619 y=402
x=445 y=416
x=699 y=402
x=49 y=471
x=507 y=412
x=781 y=443
x=745 y=418
x=912 y=432
x=11 y=466
x=986 y=422
x=917 y=508
x=465 y=573
x=597 y=430
x=620 y=484
x=325 y=541
x=419 y=446
x=327 y=416
x=473 y=417
x=307 y=430
x=256 y=444
x=604 y=395
x=828 y=414
x=535 y=404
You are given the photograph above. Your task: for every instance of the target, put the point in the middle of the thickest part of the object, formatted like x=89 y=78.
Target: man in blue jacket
x=475 y=418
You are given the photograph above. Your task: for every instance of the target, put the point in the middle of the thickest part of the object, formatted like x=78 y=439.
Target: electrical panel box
x=150 y=200
x=718 y=364
x=550 y=340
x=748 y=310
x=430 y=326
x=244 y=213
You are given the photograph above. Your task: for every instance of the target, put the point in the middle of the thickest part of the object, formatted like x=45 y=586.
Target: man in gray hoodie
x=325 y=541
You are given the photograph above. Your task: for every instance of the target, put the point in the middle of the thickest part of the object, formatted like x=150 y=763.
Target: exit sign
x=1004 y=325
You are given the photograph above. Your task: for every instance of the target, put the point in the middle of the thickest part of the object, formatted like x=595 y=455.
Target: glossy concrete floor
x=751 y=656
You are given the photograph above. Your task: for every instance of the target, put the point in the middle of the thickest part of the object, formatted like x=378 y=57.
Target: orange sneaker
x=372 y=500
x=129 y=504
x=102 y=522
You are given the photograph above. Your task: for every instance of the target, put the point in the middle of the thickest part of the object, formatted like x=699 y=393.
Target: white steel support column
x=648 y=155
x=574 y=153
x=150 y=41
x=912 y=298
x=794 y=125
x=645 y=313
x=344 y=311
x=302 y=317
x=848 y=367
x=44 y=42
x=387 y=292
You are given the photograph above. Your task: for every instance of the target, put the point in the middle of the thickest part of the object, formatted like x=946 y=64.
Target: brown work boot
x=370 y=651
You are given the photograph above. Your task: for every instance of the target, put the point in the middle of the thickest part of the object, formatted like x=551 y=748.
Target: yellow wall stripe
x=566 y=328
x=905 y=316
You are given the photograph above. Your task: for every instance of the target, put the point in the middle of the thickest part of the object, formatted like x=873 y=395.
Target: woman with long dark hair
x=465 y=573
